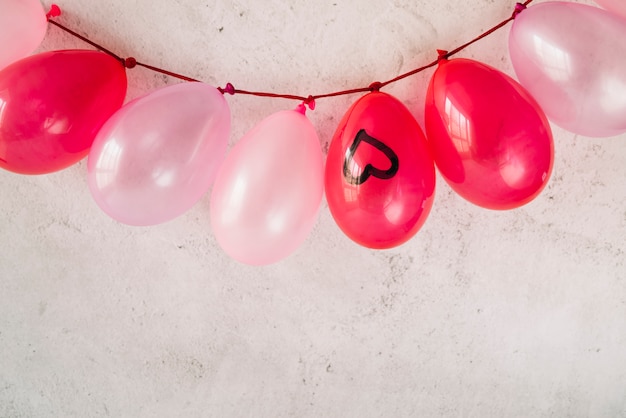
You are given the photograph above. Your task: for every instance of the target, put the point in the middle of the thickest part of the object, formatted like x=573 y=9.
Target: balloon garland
x=151 y=159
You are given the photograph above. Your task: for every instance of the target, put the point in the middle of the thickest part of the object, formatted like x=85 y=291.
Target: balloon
x=571 y=58
x=157 y=155
x=489 y=138
x=380 y=177
x=52 y=105
x=268 y=192
x=23 y=26
x=615 y=6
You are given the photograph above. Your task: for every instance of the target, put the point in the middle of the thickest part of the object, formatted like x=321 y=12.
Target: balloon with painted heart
x=571 y=58
x=52 y=106
x=22 y=28
x=380 y=177
x=268 y=192
x=489 y=138
x=614 y=6
x=157 y=155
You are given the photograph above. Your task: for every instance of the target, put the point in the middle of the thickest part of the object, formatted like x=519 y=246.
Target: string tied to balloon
x=229 y=89
x=55 y=11
x=519 y=8
x=129 y=62
x=306 y=101
x=376 y=86
x=310 y=102
x=126 y=62
x=442 y=55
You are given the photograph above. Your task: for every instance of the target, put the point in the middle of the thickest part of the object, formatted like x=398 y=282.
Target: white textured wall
x=483 y=313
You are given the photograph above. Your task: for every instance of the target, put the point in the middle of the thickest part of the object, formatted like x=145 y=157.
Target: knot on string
x=519 y=8
x=375 y=86
x=310 y=102
x=129 y=62
x=230 y=89
x=442 y=55
x=55 y=11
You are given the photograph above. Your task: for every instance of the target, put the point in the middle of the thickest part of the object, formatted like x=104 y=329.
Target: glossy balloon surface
x=52 y=106
x=489 y=138
x=268 y=192
x=22 y=28
x=155 y=158
x=571 y=58
x=380 y=177
x=614 y=6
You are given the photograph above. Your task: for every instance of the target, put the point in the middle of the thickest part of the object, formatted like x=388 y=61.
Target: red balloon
x=489 y=138
x=380 y=178
x=52 y=106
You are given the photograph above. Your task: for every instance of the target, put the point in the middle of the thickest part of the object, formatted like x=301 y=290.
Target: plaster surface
x=482 y=313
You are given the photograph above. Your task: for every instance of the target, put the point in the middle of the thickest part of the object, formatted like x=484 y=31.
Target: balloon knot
x=519 y=8
x=230 y=89
x=375 y=86
x=129 y=62
x=301 y=108
x=442 y=55
x=310 y=102
x=55 y=11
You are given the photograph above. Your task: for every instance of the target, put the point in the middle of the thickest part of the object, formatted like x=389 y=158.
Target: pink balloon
x=489 y=138
x=155 y=158
x=572 y=59
x=615 y=6
x=22 y=28
x=52 y=106
x=268 y=192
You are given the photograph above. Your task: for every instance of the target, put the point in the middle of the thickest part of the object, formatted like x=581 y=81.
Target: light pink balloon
x=22 y=28
x=155 y=158
x=615 y=6
x=572 y=59
x=268 y=192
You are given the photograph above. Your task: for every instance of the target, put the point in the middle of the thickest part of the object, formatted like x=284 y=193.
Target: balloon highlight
x=380 y=177
x=489 y=138
x=268 y=192
x=23 y=26
x=571 y=58
x=157 y=155
x=52 y=106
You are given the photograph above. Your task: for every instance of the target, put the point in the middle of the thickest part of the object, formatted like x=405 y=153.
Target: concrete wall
x=482 y=313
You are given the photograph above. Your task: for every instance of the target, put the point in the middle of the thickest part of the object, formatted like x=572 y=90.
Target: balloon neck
x=519 y=8
x=375 y=86
x=229 y=89
x=55 y=11
x=310 y=102
x=442 y=56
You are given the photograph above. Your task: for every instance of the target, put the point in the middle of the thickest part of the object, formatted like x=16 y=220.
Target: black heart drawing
x=369 y=169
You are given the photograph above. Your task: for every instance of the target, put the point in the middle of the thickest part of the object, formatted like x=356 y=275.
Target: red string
x=310 y=100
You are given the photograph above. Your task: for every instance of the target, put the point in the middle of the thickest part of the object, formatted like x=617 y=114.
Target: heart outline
x=370 y=170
